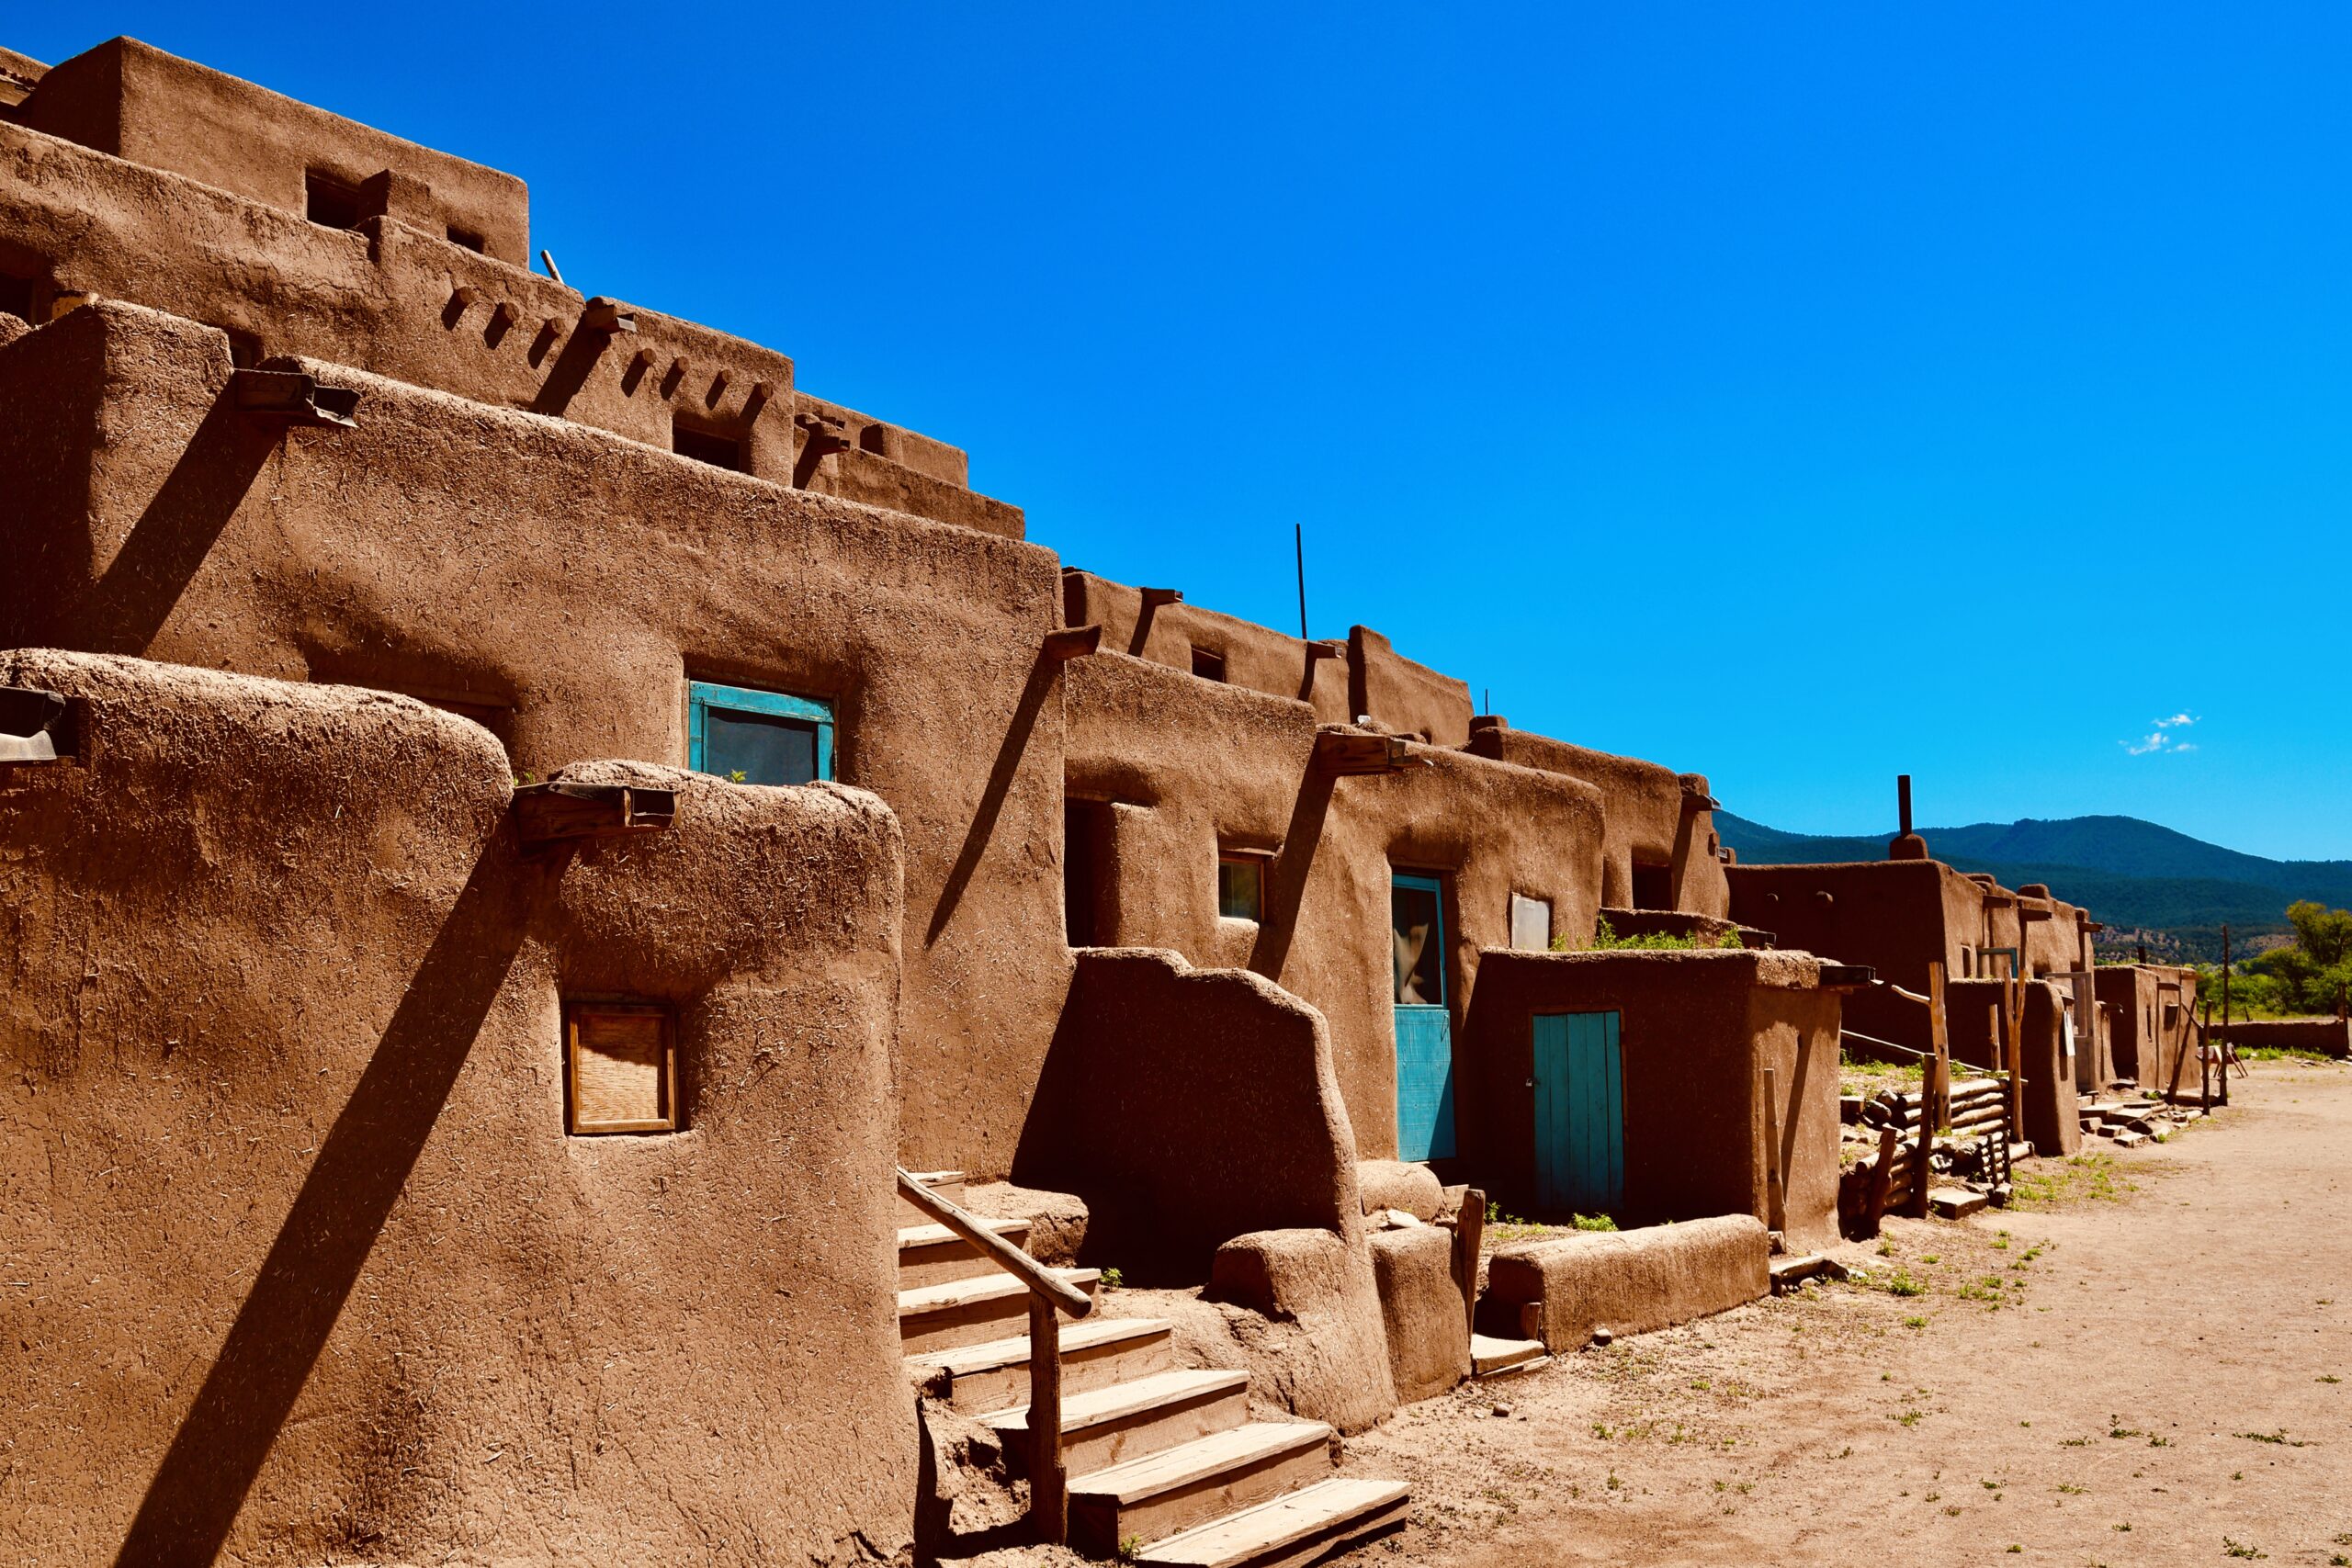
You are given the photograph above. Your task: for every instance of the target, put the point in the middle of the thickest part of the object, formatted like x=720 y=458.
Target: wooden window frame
x=1259 y=860
x=703 y=695
x=573 y=1125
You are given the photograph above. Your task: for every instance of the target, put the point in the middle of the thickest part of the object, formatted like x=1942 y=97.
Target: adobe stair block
x=971 y=1312
x=1169 y=1492
x=933 y=1255
x=1096 y=1353
x=1292 y=1531
x=1104 y=1426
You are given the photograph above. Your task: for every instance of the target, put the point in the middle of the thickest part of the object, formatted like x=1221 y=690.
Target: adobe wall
x=1655 y=816
x=1191 y=763
x=1187 y=1107
x=2327 y=1036
x=313 y=1270
x=1402 y=696
x=404 y=302
x=2046 y=1077
x=2126 y=996
x=1897 y=917
x=465 y=553
x=1257 y=657
x=137 y=103
x=1696 y=1030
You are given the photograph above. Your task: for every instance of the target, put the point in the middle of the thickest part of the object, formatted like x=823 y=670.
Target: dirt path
x=2144 y=1372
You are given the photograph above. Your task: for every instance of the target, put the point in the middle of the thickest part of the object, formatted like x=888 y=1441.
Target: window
x=767 y=738
x=706 y=447
x=16 y=296
x=1531 y=924
x=1209 y=665
x=467 y=238
x=1240 y=884
x=329 y=202
x=1653 y=887
x=620 y=1070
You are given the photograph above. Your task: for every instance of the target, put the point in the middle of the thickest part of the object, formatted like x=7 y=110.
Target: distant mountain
x=2126 y=872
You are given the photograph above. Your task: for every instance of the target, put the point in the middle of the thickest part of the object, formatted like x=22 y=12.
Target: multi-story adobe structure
x=335 y=532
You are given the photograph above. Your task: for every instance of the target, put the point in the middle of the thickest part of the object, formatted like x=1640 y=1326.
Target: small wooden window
x=467 y=238
x=706 y=447
x=1240 y=884
x=1653 y=887
x=620 y=1068
x=1209 y=665
x=766 y=738
x=329 y=202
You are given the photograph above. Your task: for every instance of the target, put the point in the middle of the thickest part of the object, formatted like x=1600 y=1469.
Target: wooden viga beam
x=550 y=813
x=1349 y=753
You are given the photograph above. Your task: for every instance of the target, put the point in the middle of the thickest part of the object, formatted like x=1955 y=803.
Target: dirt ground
x=2150 y=1360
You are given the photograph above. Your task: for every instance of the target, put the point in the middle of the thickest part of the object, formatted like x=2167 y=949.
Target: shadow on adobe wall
x=312 y=1267
x=179 y=526
x=1187 y=1107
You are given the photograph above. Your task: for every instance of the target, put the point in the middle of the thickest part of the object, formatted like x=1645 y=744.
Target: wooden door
x=1424 y=1025
x=1579 y=1113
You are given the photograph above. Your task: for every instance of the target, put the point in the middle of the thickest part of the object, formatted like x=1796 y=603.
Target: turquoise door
x=1579 y=1113
x=1424 y=1028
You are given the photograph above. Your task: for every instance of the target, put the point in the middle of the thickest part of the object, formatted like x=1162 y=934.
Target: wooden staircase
x=1165 y=1464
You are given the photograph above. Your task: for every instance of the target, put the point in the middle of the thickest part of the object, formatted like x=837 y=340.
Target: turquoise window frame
x=703 y=695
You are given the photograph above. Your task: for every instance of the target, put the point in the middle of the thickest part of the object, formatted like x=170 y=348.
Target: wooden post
x=2013 y=1048
x=1775 y=1203
x=2225 y=1015
x=1048 y=1483
x=2204 y=1065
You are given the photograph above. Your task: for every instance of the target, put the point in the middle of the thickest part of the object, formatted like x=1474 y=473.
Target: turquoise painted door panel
x=1579 y=1113
x=1424 y=1024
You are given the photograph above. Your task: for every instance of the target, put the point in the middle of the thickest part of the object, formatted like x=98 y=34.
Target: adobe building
x=529 y=824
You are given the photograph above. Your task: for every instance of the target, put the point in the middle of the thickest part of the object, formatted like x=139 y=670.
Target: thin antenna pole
x=1299 y=541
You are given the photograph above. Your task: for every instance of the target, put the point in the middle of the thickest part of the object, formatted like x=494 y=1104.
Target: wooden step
x=1096 y=1352
x=948 y=1184
x=933 y=1255
x=1493 y=1357
x=1292 y=1531
x=1159 y=1494
x=1104 y=1426
x=969 y=1312
x=1954 y=1202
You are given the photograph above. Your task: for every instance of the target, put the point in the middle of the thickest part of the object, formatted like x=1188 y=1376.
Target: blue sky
x=1798 y=395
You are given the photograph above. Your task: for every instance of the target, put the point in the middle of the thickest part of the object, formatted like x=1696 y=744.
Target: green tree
x=2311 y=972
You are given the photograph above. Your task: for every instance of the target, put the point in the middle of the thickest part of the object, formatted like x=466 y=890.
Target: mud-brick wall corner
x=310 y=1266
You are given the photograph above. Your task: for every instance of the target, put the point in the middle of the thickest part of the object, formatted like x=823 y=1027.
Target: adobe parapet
x=128 y=173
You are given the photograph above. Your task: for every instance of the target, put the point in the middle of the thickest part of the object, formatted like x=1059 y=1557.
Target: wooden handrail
x=1040 y=1279
x=1048 y=1479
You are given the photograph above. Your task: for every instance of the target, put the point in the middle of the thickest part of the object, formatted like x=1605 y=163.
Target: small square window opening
x=706 y=447
x=1209 y=665
x=620 y=1068
x=755 y=737
x=1240 y=886
x=330 y=202
x=467 y=238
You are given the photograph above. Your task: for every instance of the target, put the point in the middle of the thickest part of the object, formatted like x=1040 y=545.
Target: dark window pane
x=1239 y=888
x=1413 y=914
x=764 y=751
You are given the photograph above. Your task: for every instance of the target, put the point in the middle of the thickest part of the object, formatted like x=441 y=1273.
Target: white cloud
x=2162 y=739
